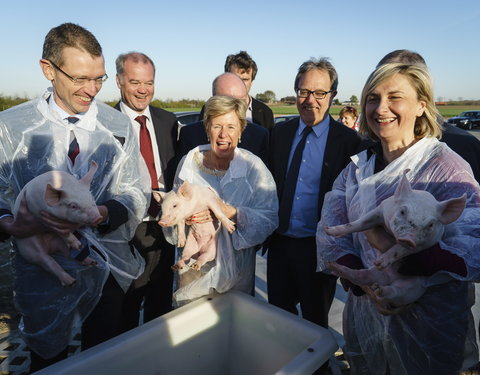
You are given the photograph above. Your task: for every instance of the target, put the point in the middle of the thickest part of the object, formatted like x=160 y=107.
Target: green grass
x=182 y=109
x=446 y=111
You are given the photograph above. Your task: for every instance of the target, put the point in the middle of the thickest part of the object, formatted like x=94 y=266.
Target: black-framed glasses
x=80 y=81
x=317 y=94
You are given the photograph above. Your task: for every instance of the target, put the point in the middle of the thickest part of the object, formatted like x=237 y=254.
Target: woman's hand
x=207 y=215
x=201 y=218
x=383 y=306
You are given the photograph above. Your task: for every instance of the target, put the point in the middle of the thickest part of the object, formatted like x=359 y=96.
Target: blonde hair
x=220 y=105
x=419 y=77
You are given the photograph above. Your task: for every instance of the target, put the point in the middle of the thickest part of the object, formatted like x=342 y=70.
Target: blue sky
x=189 y=40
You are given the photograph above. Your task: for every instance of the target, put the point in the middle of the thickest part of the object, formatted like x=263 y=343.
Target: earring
x=239 y=140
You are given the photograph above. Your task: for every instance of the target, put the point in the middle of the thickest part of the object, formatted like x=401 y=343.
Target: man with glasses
x=306 y=155
x=157 y=132
x=67 y=129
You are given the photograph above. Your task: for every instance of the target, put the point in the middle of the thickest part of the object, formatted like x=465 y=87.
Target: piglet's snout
x=93 y=215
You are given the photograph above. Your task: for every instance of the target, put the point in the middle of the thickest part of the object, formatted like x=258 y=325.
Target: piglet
x=64 y=197
x=405 y=223
x=187 y=201
x=413 y=217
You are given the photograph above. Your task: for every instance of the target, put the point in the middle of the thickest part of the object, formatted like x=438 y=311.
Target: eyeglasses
x=317 y=94
x=80 y=81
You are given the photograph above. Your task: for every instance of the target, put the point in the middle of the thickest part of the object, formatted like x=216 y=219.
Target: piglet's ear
x=87 y=179
x=186 y=190
x=159 y=196
x=450 y=210
x=53 y=196
x=404 y=188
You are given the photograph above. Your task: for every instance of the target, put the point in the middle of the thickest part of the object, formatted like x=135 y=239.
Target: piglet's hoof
x=196 y=266
x=230 y=225
x=89 y=262
x=68 y=281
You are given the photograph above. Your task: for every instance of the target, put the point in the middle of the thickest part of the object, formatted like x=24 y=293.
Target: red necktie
x=147 y=153
x=147 y=150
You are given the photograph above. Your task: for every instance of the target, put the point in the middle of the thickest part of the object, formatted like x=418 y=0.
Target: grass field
x=446 y=111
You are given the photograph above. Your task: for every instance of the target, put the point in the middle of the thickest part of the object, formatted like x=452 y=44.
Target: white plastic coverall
x=428 y=337
x=35 y=140
x=249 y=187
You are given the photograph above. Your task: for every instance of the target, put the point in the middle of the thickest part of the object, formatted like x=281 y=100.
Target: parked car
x=187 y=117
x=283 y=118
x=466 y=120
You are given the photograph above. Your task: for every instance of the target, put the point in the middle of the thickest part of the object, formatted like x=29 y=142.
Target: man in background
x=156 y=131
x=245 y=67
x=306 y=155
x=254 y=138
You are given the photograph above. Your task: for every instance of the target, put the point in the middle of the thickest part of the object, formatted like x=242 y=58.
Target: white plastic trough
x=231 y=333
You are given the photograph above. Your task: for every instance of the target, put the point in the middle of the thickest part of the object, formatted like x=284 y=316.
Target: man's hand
x=23 y=225
x=104 y=215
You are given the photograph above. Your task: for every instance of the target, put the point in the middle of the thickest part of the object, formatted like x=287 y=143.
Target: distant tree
x=270 y=95
x=353 y=99
x=289 y=99
x=266 y=97
x=336 y=102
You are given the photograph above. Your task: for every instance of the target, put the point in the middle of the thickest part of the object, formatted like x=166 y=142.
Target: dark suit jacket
x=262 y=114
x=342 y=142
x=464 y=144
x=166 y=131
x=254 y=139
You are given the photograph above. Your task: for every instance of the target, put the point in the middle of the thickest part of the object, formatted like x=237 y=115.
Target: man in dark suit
x=328 y=145
x=157 y=132
x=254 y=138
x=245 y=67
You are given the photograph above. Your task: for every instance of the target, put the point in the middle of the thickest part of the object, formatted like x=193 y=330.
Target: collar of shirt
x=318 y=129
x=133 y=114
x=249 y=114
x=64 y=115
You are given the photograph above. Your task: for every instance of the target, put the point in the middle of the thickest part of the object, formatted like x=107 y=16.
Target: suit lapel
x=161 y=138
x=331 y=153
x=285 y=141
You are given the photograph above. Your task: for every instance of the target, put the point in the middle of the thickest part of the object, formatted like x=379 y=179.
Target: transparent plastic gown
x=35 y=140
x=428 y=337
x=249 y=187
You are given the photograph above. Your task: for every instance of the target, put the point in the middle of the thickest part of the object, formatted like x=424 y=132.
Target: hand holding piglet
x=194 y=203
x=403 y=224
x=57 y=199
